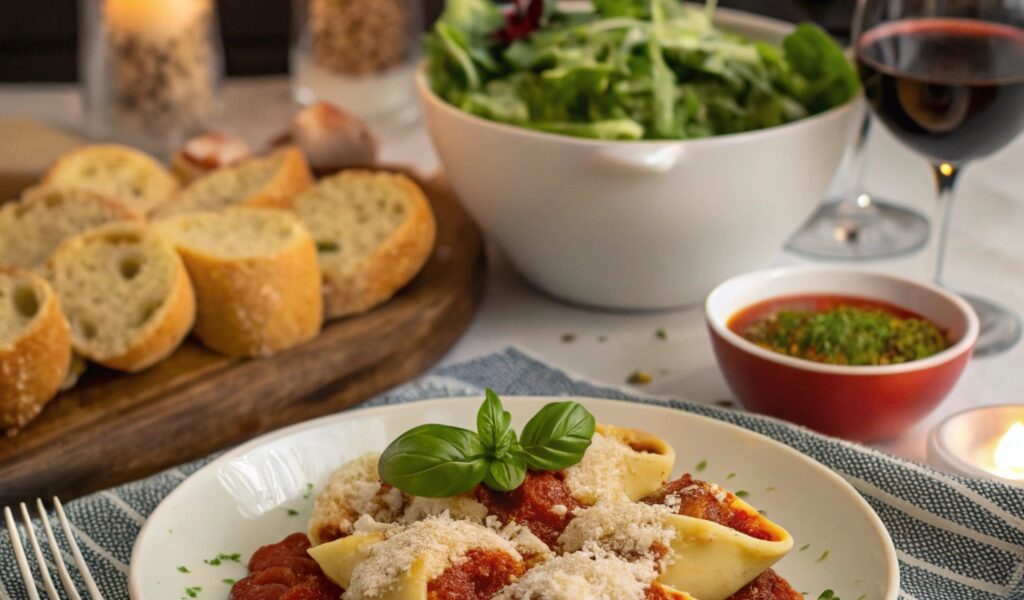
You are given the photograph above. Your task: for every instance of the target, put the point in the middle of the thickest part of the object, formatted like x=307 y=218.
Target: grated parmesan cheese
x=528 y=544
x=461 y=507
x=436 y=541
x=628 y=530
x=588 y=574
x=352 y=491
x=600 y=475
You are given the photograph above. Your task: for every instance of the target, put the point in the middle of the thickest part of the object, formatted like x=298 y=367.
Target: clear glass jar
x=149 y=69
x=359 y=54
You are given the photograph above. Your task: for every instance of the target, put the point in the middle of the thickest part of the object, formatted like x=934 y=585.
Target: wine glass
x=946 y=77
x=857 y=225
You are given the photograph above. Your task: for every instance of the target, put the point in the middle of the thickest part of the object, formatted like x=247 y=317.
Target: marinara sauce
x=284 y=571
x=768 y=586
x=479 y=577
x=701 y=500
x=531 y=504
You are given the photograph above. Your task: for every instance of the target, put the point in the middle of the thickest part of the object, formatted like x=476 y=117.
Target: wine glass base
x=847 y=231
x=1000 y=327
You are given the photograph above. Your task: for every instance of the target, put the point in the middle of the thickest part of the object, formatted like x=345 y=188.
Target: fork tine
x=19 y=555
x=43 y=569
x=83 y=568
x=58 y=556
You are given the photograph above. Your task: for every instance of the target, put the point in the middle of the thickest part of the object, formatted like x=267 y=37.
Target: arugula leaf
x=494 y=426
x=434 y=461
x=557 y=436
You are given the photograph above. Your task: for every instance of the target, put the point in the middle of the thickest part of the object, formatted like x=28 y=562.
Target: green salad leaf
x=630 y=69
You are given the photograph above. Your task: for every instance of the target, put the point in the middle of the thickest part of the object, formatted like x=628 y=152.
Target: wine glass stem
x=945 y=178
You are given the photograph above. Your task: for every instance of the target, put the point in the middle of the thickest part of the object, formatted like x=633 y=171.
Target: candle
x=153 y=18
x=981 y=442
x=1008 y=456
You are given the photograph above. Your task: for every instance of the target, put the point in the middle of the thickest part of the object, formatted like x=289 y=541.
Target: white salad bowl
x=640 y=224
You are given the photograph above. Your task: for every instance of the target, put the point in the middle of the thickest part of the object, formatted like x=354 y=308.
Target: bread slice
x=207 y=152
x=269 y=182
x=126 y=293
x=374 y=230
x=35 y=347
x=256 y=278
x=118 y=172
x=33 y=227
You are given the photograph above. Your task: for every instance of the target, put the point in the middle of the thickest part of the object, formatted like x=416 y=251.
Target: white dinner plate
x=259 y=492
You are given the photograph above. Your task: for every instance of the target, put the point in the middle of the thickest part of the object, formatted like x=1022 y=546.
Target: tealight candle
x=153 y=18
x=982 y=442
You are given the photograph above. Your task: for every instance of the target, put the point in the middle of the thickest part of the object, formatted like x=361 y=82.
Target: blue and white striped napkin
x=957 y=539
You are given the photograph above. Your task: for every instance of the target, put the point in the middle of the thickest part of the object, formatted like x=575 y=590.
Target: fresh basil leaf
x=557 y=436
x=494 y=426
x=434 y=461
x=507 y=474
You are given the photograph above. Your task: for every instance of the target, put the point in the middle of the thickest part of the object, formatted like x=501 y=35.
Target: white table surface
x=986 y=256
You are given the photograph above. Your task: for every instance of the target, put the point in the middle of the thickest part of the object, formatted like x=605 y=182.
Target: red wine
x=952 y=89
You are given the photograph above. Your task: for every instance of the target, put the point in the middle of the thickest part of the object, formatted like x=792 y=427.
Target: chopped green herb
x=770 y=488
x=291 y=512
x=828 y=595
x=742 y=494
x=823 y=556
x=193 y=592
x=327 y=246
x=661 y=335
x=229 y=581
x=639 y=377
x=763 y=513
x=568 y=338
x=217 y=560
x=183 y=569
x=847 y=335
x=701 y=466
x=213 y=562
x=730 y=475
x=804 y=547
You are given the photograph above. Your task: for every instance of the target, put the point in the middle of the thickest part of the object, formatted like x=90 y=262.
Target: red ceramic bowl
x=857 y=403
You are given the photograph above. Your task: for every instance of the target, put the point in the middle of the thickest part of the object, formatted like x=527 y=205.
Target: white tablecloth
x=986 y=256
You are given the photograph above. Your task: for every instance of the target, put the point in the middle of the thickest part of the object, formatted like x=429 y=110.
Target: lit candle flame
x=1009 y=455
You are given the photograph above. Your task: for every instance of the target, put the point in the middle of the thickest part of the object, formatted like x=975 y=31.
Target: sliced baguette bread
x=374 y=230
x=33 y=227
x=269 y=182
x=255 y=275
x=35 y=347
x=118 y=172
x=126 y=294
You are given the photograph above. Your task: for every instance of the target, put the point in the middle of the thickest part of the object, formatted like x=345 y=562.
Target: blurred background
x=38 y=38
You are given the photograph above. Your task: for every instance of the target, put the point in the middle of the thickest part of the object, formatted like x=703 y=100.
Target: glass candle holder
x=359 y=54
x=150 y=70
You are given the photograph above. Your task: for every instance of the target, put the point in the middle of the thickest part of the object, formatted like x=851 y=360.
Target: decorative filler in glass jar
x=150 y=69
x=360 y=54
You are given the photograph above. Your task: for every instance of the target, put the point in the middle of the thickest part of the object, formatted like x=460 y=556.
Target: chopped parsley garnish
x=183 y=569
x=308 y=492
x=701 y=466
x=327 y=246
x=828 y=595
x=847 y=335
x=661 y=335
x=292 y=512
x=229 y=581
x=770 y=488
x=730 y=475
x=568 y=338
x=217 y=560
x=804 y=547
x=193 y=592
x=823 y=556
x=742 y=494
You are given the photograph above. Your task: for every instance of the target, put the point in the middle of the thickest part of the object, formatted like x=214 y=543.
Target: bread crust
x=291 y=178
x=257 y=305
x=33 y=368
x=390 y=266
x=165 y=329
x=167 y=181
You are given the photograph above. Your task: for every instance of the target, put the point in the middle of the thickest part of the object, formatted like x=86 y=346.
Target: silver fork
x=55 y=551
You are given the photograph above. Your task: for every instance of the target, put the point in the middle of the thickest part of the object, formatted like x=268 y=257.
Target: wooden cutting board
x=114 y=427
